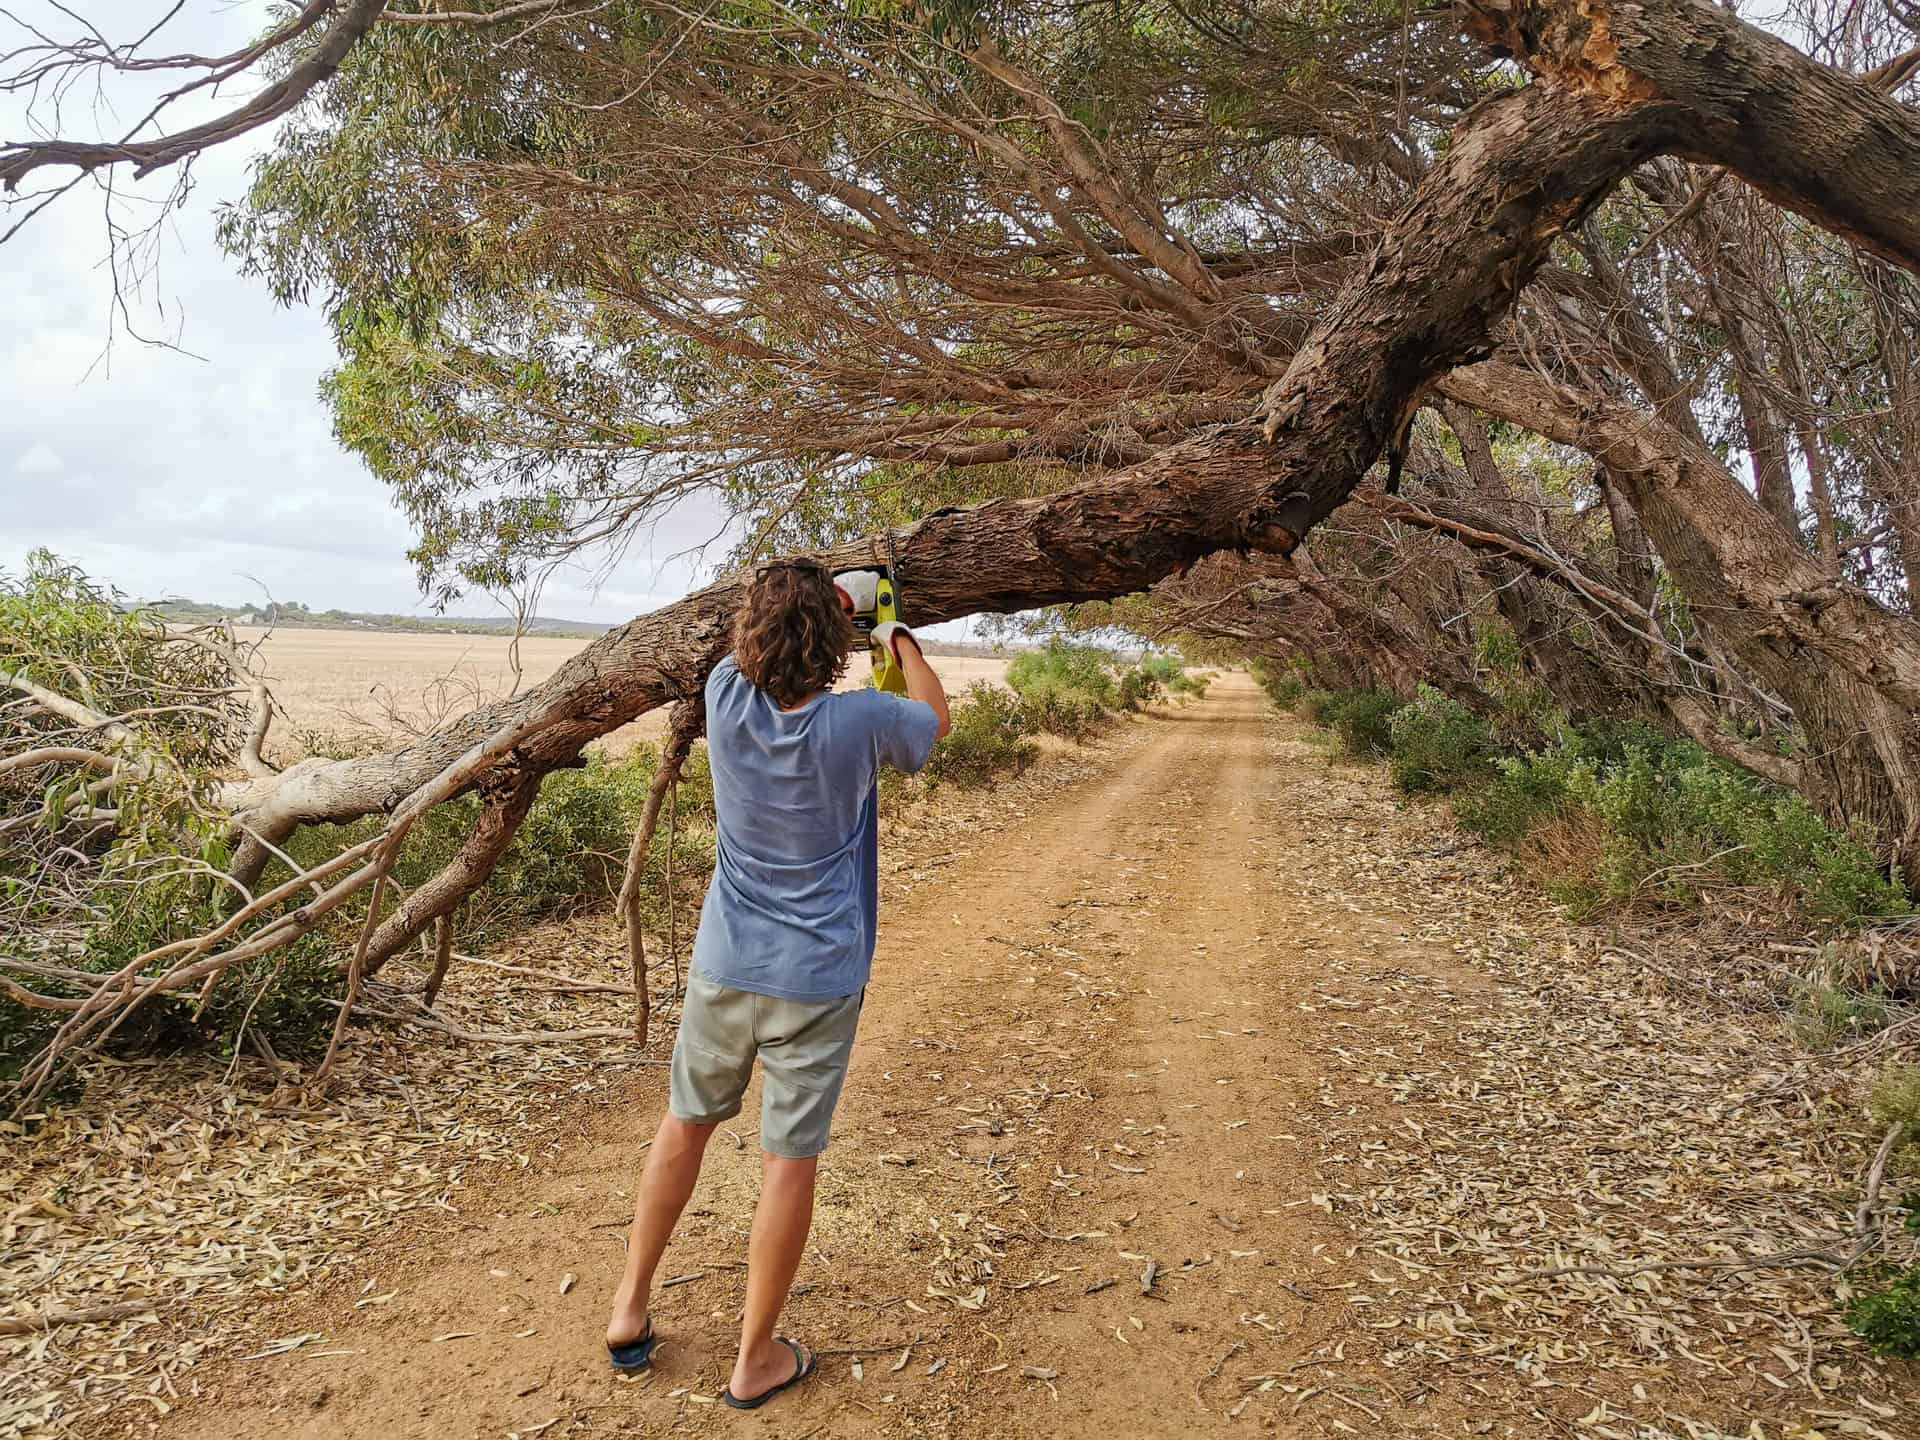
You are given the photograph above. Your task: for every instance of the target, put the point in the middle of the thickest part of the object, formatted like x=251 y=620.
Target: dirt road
x=1137 y=1087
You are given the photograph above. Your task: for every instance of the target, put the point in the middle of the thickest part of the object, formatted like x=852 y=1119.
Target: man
x=785 y=942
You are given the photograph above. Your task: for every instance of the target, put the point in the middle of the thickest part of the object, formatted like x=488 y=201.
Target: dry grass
x=344 y=684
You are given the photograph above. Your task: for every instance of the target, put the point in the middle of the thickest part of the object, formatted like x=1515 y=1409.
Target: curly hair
x=791 y=635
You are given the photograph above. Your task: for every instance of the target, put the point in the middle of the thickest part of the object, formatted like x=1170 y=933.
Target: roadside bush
x=1284 y=684
x=1616 y=813
x=1888 y=1317
x=1827 y=1015
x=988 y=739
x=1673 y=822
x=1885 y=1310
x=1438 y=745
x=1530 y=788
x=1317 y=707
x=1523 y=791
x=1059 y=710
x=1065 y=690
x=1138 y=688
x=1060 y=666
x=1363 y=719
x=1896 y=1101
x=1170 y=673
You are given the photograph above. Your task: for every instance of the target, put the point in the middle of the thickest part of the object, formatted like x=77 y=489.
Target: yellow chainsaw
x=869 y=596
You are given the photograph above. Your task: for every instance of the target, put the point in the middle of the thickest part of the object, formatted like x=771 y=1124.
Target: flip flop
x=635 y=1354
x=805 y=1363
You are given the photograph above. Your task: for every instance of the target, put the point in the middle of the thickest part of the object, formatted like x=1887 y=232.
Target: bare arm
x=922 y=684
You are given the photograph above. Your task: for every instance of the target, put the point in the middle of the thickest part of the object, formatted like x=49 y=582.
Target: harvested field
x=340 y=684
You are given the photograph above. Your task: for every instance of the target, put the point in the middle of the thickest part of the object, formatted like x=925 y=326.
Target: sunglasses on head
x=807 y=567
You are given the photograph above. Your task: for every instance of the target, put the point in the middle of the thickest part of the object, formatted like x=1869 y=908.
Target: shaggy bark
x=1827 y=145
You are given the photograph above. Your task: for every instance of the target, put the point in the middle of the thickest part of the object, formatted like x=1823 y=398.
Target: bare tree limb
x=21 y=158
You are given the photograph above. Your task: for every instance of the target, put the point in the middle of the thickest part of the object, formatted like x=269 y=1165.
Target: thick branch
x=1828 y=145
x=1743 y=567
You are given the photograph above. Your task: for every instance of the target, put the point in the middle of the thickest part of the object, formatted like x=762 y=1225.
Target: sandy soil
x=347 y=682
x=1211 y=1094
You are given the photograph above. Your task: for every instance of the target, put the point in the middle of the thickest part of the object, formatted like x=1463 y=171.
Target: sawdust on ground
x=1213 y=1091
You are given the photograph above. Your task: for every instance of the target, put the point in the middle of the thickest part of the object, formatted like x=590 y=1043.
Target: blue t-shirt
x=793 y=905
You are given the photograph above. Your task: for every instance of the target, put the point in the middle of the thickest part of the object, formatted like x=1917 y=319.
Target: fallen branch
x=494 y=1037
x=48 y=1319
x=689 y=716
x=58 y=755
x=1876 y=1173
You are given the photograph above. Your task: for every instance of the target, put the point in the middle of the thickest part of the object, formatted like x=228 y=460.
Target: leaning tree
x=1066 y=303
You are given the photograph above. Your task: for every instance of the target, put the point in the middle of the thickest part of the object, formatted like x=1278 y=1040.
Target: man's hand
x=890 y=635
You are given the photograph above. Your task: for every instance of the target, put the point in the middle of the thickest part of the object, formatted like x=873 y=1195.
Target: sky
x=212 y=475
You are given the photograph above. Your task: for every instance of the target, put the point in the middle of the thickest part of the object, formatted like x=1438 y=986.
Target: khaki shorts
x=803 y=1050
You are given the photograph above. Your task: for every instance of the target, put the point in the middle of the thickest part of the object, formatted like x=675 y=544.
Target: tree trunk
x=1846 y=666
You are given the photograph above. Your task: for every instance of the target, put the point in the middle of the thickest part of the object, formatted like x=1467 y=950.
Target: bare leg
x=780 y=1225
x=673 y=1164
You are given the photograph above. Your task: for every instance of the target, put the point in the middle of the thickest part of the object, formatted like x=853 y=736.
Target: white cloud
x=164 y=473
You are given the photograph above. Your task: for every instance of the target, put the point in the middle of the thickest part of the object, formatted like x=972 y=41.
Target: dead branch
x=442 y=958
x=57 y=755
x=20 y=158
x=90 y=1315
x=1863 y=1231
x=689 y=718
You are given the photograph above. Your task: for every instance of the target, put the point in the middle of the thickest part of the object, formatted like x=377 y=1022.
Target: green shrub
x=1060 y=666
x=1439 y=745
x=1060 y=710
x=1318 y=707
x=1363 y=719
x=1828 y=1015
x=1523 y=791
x=1888 y=1317
x=989 y=738
x=1284 y=684
x=1896 y=1101
x=1673 y=821
x=1172 y=675
x=1138 y=688
x=1066 y=690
